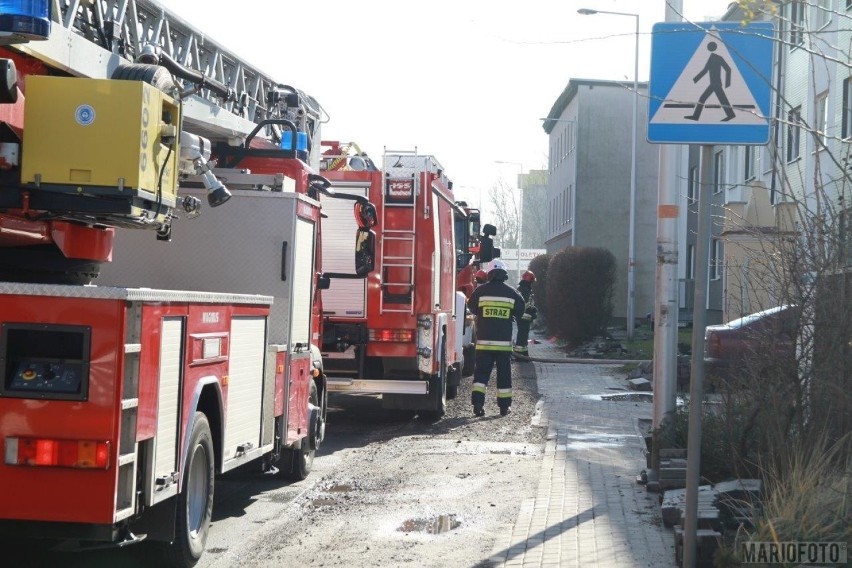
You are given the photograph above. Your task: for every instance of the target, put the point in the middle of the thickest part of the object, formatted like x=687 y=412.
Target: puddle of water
x=438 y=525
x=630 y=397
x=626 y=397
x=593 y=441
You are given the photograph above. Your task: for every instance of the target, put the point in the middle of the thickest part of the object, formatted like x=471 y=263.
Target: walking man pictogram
x=713 y=67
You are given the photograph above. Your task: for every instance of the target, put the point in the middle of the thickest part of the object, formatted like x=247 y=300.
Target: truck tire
x=439 y=401
x=45 y=264
x=453 y=380
x=296 y=463
x=469 y=354
x=154 y=75
x=195 y=501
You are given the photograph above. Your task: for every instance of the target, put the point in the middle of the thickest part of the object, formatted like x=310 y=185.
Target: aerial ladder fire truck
x=140 y=155
x=403 y=332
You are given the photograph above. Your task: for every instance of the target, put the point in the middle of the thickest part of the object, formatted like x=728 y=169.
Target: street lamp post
x=631 y=245
x=520 y=207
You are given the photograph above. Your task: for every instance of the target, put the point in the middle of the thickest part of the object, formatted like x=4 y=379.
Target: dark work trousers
x=485 y=360
x=523 y=336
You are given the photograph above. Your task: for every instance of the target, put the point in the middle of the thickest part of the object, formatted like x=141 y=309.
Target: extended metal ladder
x=85 y=37
x=399 y=194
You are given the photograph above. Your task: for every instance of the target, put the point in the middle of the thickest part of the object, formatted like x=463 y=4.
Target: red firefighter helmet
x=481 y=276
x=528 y=276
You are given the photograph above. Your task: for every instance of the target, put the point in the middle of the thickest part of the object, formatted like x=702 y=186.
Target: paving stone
x=588 y=511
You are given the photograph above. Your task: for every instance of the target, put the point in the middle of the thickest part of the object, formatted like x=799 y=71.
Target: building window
x=749 y=166
x=797 y=22
x=715 y=259
x=823 y=13
x=559 y=209
x=794 y=127
x=690 y=262
x=553 y=217
x=692 y=185
x=821 y=119
x=569 y=128
x=847 y=107
x=718 y=171
x=570 y=202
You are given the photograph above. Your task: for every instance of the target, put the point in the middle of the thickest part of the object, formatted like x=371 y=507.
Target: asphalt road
x=387 y=489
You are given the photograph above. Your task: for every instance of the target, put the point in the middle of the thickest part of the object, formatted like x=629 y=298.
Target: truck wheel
x=469 y=353
x=195 y=502
x=441 y=395
x=296 y=464
x=453 y=380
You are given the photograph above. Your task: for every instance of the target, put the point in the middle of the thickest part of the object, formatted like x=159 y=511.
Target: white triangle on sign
x=684 y=96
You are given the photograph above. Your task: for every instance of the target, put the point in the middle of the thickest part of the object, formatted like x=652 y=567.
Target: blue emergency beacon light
x=24 y=20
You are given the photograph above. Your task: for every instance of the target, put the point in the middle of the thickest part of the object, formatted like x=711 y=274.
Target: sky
x=466 y=81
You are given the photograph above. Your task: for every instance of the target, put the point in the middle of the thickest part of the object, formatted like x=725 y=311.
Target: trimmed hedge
x=579 y=288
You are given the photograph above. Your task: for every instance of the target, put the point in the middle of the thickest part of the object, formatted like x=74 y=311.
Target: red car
x=752 y=346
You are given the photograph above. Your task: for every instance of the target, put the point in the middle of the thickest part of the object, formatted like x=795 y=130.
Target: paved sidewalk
x=589 y=510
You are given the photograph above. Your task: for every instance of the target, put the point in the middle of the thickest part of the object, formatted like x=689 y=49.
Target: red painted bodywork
x=394 y=218
x=62 y=494
x=300 y=386
x=88 y=496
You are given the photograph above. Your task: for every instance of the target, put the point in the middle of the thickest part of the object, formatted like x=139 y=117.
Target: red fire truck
x=194 y=353
x=403 y=332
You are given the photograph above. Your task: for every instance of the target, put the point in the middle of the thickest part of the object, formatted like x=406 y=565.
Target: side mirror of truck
x=486 y=248
x=365 y=214
x=365 y=252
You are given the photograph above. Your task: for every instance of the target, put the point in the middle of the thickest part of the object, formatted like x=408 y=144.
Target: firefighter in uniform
x=494 y=304
x=530 y=313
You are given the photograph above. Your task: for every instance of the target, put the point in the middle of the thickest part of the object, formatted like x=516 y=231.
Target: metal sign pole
x=696 y=383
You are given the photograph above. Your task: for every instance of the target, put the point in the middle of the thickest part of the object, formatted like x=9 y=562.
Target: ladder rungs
x=125 y=459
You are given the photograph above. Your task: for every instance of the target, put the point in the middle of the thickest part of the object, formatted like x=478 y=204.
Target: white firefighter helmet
x=497 y=268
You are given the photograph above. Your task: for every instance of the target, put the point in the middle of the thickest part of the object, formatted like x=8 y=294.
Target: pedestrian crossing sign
x=710 y=83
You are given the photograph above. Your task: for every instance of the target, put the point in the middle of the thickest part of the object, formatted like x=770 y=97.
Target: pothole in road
x=341 y=488
x=322 y=502
x=437 y=525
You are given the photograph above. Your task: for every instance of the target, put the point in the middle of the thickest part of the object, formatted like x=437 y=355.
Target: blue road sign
x=711 y=83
